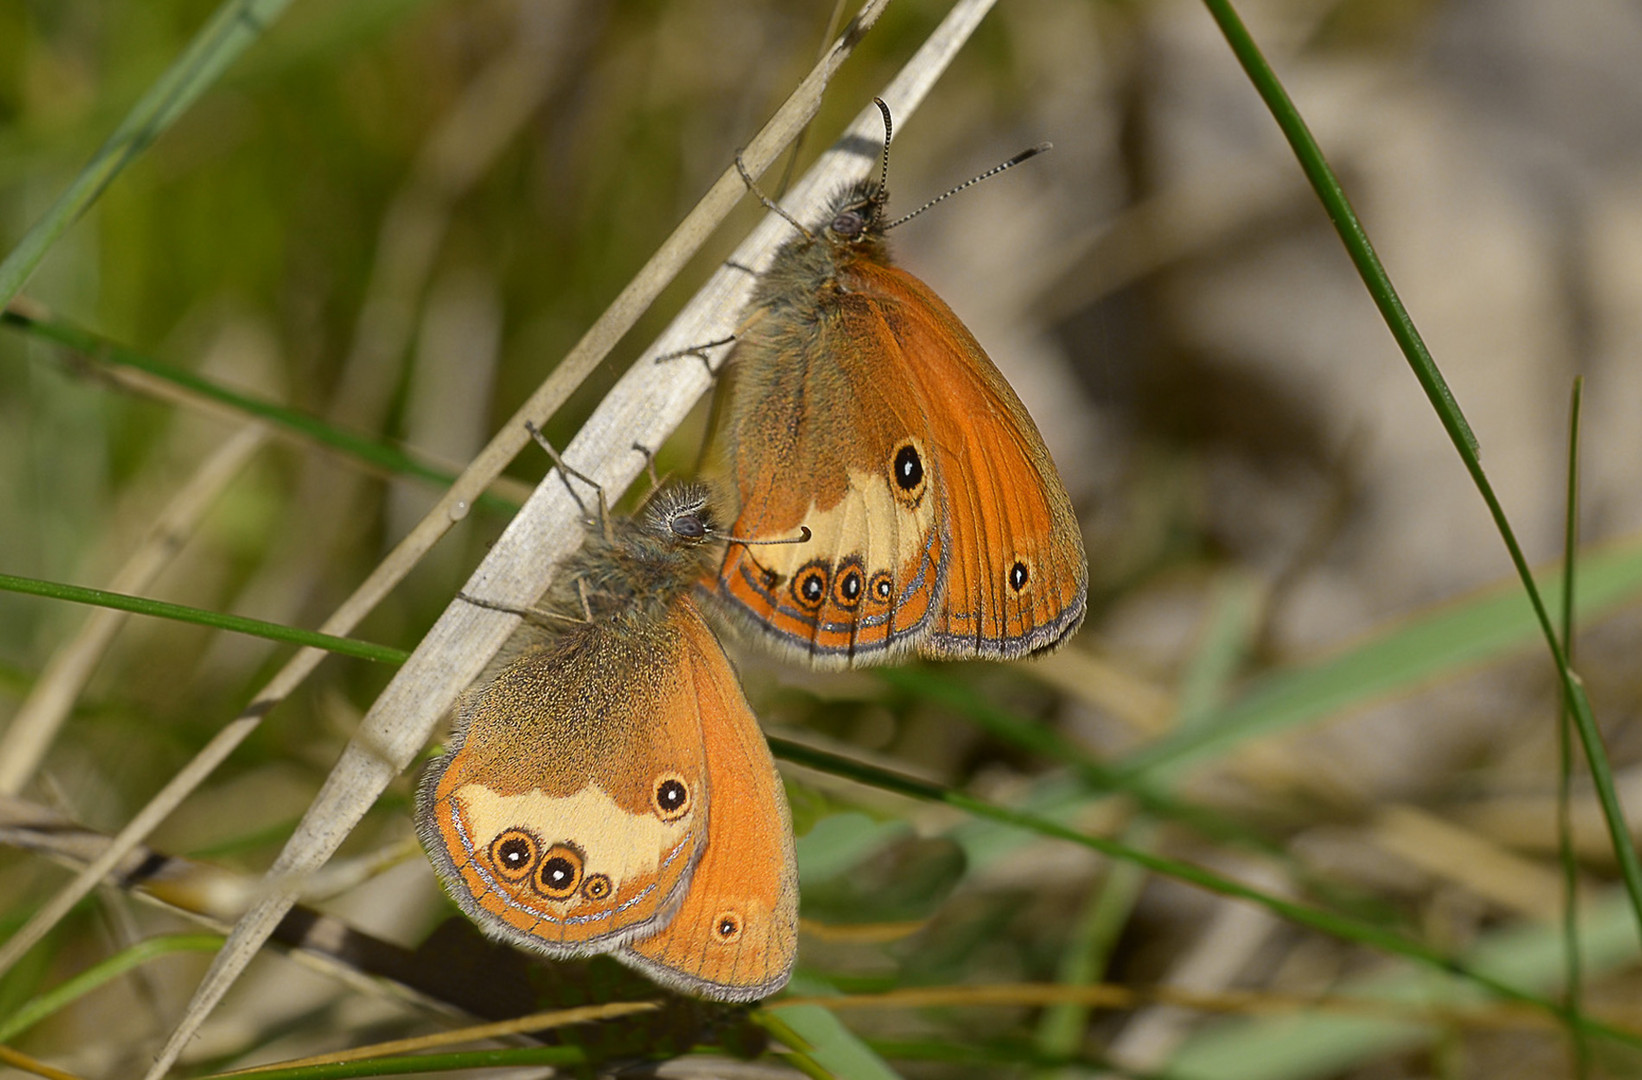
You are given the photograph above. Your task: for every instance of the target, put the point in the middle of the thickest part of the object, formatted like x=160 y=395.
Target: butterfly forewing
x=1017 y=580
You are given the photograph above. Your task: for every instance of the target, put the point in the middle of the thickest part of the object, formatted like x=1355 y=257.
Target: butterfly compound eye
x=688 y=525
x=513 y=854
x=560 y=874
x=849 y=224
x=670 y=797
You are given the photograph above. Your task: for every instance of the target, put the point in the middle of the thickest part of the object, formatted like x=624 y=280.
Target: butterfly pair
x=609 y=791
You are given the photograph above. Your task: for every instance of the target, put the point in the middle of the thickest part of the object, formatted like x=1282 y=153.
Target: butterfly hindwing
x=735 y=935
x=571 y=811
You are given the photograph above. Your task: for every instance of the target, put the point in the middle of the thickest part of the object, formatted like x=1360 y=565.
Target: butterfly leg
x=566 y=472
x=700 y=353
x=650 y=468
x=534 y=615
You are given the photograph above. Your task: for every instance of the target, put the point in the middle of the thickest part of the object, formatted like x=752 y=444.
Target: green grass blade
x=372 y=452
x=142 y=605
x=1310 y=1047
x=66 y=993
x=1442 y=400
x=1326 y=922
x=233 y=26
x=930 y=685
x=1453 y=638
x=1573 y=977
x=831 y=1045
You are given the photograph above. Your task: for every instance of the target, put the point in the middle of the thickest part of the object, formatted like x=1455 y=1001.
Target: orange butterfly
x=610 y=790
x=859 y=406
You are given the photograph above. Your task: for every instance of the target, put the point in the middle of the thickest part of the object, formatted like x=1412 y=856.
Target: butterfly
x=859 y=405
x=609 y=791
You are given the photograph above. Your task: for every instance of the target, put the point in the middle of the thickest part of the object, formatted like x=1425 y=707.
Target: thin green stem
x=232 y=27
x=1574 y=978
x=66 y=993
x=142 y=605
x=1314 y=918
x=1448 y=412
x=372 y=452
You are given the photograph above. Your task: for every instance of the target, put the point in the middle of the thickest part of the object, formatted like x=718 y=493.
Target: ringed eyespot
x=1020 y=575
x=670 y=797
x=770 y=578
x=850 y=584
x=882 y=587
x=809 y=585
x=513 y=854
x=727 y=927
x=596 y=887
x=907 y=469
x=560 y=873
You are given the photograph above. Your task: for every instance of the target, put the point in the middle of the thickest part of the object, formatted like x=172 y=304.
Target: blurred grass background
x=396 y=215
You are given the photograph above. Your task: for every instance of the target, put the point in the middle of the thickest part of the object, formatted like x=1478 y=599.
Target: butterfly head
x=858 y=213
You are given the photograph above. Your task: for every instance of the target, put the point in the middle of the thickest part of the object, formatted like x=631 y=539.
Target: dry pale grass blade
x=648 y=402
x=40 y=717
x=25 y=1064
x=1453 y=853
x=543 y=1021
x=1144 y=707
x=209 y=896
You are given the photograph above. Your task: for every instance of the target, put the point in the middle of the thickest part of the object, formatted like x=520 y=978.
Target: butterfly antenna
x=1032 y=152
x=769 y=203
x=881 y=196
x=803 y=537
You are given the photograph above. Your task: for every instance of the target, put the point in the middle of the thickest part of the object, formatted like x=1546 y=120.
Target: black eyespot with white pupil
x=909 y=468
x=850 y=585
x=727 y=927
x=882 y=587
x=809 y=585
x=671 y=797
x=1019 y=575
x=560 y=874
x=513 y=853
